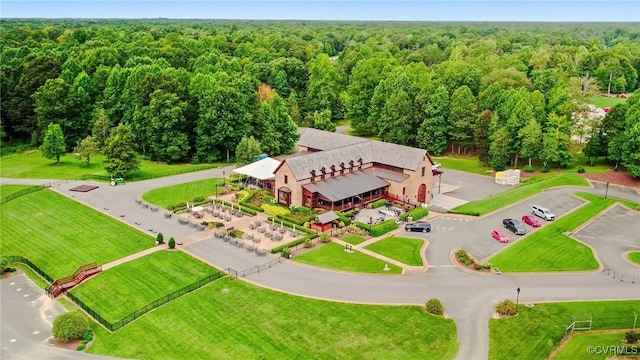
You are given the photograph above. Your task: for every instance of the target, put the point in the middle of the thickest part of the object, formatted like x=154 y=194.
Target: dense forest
x=193 y=90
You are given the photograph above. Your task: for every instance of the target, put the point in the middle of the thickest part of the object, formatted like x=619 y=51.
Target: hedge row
x=378 y=229
x=250 y=206
x=379 y=203
x=244 y=209
x=471 y=213
x=417 y=213
x=343 y=218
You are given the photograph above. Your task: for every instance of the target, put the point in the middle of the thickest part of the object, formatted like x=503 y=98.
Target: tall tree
x=167 y=135
x=531 y=139
x=365 y=77
x=53 y=146
x=481 y=134
x=85 y=149
x=433 y=132
x=121 y=159
x=520 y=117
x=631 y=142
x=322 y=121
x=101 y=127
x=462 y=116
x=500 y=149
x=276 y=130
x=323 y=85
x=247 y=150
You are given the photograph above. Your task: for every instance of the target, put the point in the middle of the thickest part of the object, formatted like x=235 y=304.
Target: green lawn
x=634 y=256
x=405 y=250
x=11 y=189
x=520 y=192
x=536 y=331
x=59 y=234
x=462 y=163
x=548 y=249
x=333 y=256
x=32 y=165
x=353 y=239
x=137 y=283
x=577 y=346
x=249 y=322
x=181 y=193
x=603 y=101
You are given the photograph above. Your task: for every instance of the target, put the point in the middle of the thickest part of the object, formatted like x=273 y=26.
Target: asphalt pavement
x=468 y=298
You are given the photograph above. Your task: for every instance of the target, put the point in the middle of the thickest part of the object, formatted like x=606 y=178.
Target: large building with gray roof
x=339 y=172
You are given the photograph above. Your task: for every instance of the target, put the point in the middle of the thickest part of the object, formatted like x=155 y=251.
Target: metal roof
x=327 y=217
x=346 y=186
x=352 y=149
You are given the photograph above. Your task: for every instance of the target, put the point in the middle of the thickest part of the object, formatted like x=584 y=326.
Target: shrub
x=269 y=199
x=325 y=238
x=160 y=238
x=631 y=337
x=581 y=170
x=545 y=169
x=417 y=213
x=275 y=209
x=70 y=326
x=506 y=307
x=378 y=229
x=198 y=199
x=81 y=347
x=378 y=203
x=307 y=224
x=172 y=243
x=345 y=220
x=529 y=169
x=304 y=210
x=88 y=336
x=308 y=244
x=434 y=306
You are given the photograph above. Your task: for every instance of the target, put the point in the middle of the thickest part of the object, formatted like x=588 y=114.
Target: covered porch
x=344 y=192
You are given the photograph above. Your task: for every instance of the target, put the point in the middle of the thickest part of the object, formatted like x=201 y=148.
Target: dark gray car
x=516 y=226
x=418 y=226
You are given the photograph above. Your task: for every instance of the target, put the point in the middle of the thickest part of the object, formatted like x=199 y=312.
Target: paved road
x=468 y=298
x=26 y=317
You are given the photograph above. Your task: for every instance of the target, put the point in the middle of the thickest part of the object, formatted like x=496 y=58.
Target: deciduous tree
x=54 y=145
x=120 y=154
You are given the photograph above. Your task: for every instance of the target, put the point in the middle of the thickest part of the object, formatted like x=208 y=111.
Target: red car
x=530 y=220
x=500 y=236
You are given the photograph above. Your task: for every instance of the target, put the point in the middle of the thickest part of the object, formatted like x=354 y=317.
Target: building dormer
x=333 y=170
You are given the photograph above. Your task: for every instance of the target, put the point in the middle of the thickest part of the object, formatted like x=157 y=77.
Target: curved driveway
x=468 y=298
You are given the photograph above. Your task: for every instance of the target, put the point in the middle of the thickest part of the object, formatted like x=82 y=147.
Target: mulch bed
x=614 y=177
x=72 y=345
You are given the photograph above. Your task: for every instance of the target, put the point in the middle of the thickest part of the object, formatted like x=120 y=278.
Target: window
x=422 y=171
x=286 y=178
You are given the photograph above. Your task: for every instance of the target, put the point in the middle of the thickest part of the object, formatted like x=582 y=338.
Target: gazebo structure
x=325 y=221
x=260 y=173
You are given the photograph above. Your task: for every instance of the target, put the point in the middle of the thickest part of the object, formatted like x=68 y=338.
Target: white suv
x=542 y=212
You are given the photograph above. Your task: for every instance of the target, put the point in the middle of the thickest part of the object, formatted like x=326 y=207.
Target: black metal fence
x=34 y=267
x=254 y=269
x=22 y=192
x=145 y=309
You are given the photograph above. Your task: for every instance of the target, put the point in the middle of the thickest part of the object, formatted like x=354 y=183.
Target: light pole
x=370 y=223
x=517 y=299
x=606 y=190
x=224 y=179
x=216 y=185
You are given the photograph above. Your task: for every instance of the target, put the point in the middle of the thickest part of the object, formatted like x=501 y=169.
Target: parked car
x=515 y=226
x=418 y=226
x=500 y=236
x=530 y=220
x=543 y=212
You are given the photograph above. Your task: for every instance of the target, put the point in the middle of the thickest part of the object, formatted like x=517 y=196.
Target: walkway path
x=468 y=298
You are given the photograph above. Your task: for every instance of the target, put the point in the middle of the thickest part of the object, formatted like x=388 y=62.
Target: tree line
x=195 y=90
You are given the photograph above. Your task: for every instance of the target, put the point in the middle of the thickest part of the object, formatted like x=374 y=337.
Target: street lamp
x=216 y=185
x=517 y=299
x=606 y=191
x=370 y=223
x=224 y=178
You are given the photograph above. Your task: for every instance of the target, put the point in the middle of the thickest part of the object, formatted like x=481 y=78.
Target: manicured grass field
x=181 y=193
x=136 y=283
x=603 y=101
x=59 y=234
x=353 y=239
x=462 y=163
x=522 y=191
x=405 y=250
x=634 y=256
x=548 y=249
x=11 y=189
x=536 y=331
x=32 y=165
x=249 y=322
x=333 y=256
x=577 y=346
